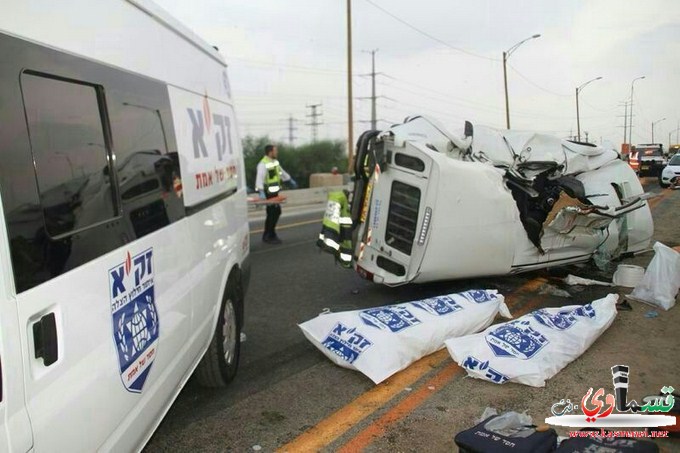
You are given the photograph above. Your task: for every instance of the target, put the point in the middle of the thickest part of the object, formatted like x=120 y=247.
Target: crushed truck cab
x=430 y=205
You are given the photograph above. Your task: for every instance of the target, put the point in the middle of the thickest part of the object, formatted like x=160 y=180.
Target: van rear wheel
x=220 y=362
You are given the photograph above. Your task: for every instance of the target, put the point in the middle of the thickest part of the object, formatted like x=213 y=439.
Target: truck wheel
x=220 y=362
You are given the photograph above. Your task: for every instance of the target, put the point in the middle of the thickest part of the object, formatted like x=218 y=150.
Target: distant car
x=650 y=159
x=671 y=172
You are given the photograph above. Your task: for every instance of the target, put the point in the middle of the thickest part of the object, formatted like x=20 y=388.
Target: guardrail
x=316 y=195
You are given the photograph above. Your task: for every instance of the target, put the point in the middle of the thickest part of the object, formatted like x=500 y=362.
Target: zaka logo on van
x=135 y=318
x=202 y=122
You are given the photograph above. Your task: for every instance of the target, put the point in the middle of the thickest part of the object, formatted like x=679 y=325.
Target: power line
x=426 y=34
x=526 y=79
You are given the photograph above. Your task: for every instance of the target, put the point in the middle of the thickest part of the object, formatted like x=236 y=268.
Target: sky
x=443 y=58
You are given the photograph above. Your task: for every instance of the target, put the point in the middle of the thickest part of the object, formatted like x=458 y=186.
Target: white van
x=124 y=242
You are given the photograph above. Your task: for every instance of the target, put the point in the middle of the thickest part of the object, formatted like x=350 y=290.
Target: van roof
x=164 y=18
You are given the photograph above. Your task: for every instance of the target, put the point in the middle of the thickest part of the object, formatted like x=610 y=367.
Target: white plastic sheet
x=661 y=281
x=535 y=347
x=381 y=341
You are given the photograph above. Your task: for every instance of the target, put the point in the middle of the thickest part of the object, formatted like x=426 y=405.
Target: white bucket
x=628 y=275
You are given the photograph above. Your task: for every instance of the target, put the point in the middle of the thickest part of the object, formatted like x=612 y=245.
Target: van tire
x=217 y=368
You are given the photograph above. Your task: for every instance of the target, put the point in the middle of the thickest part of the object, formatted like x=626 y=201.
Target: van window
x=148 y=176
x=69 y=153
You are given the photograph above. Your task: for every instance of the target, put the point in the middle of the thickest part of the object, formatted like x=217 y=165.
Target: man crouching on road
x=270 y=175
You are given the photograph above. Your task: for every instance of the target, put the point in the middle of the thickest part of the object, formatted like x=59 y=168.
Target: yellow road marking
x=289 y=225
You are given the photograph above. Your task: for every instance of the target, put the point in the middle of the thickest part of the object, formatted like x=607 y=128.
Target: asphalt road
x=286 y=391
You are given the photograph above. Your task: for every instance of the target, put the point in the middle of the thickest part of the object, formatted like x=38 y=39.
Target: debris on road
x=551 y=290
x=573 y=280
x=652 y=314
x=661 y=281
x=628 y=275
x=624 y=305
x=383 y=340
x=535 y=347
x=510 y=431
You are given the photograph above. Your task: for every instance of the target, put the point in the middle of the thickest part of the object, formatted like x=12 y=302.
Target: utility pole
x=625 y=122
x=373 y=97
x=578 y=119
x=350 y=96
x=314 y=122
x=374 y=119
x=291 y=129
x=506 y=55
x=630 y=129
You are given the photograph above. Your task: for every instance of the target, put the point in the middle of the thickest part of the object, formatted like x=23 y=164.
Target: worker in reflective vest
x=268 y=182
x=336 y=229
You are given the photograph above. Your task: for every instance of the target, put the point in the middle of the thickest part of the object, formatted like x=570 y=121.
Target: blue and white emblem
x=516 y=339
x=346 y=343
x=393 y=318
x=479 y=295
x=438 y=306
x=135 y=318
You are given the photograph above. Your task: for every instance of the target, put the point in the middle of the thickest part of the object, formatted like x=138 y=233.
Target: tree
x=300 y=162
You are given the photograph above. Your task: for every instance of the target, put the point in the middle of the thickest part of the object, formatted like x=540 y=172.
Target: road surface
x=288 y=396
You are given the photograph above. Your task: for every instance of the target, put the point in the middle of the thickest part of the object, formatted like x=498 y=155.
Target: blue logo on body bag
x=516 y=339
x=438 y=306
x=394 y=318
x=346 y=343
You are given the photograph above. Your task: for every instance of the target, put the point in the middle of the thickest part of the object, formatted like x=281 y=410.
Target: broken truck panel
x=430 y=205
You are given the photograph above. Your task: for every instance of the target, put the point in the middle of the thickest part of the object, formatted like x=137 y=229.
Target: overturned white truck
x=430 y=205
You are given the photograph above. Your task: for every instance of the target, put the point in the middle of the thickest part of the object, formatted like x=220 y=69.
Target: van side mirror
x=469 y=131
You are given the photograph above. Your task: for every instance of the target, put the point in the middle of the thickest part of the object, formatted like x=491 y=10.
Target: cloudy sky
x=443 y=58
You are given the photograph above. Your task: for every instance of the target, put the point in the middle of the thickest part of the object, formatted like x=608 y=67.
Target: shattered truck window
x=402 y=218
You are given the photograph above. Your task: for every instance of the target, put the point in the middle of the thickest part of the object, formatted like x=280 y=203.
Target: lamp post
x=578 y=119
x=653 y=123
x=506 y=55
x=350 y=98
x=630 y=129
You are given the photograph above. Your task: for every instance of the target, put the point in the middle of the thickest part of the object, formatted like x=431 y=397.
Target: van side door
x=15 y=428
x=97 y=246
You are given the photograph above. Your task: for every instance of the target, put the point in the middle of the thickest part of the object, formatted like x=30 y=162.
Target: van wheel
x=220 y=362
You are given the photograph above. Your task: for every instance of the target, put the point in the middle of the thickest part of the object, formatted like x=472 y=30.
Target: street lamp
x=630 y=129
x=506 y=55
x=578 y=120
x=653 y=123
